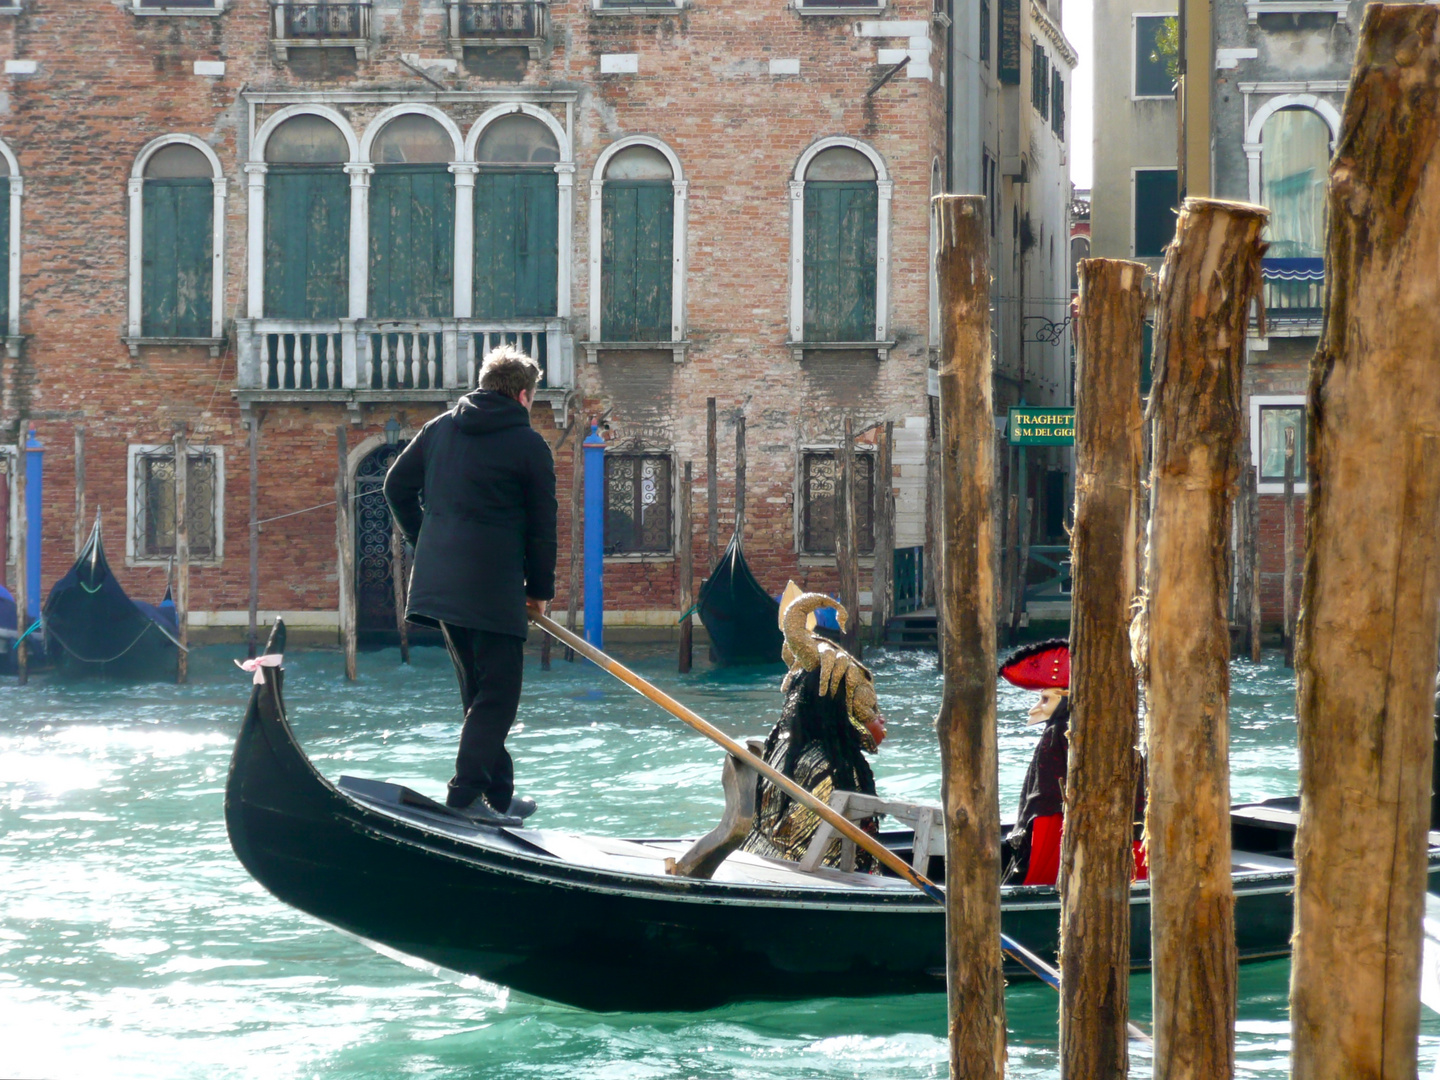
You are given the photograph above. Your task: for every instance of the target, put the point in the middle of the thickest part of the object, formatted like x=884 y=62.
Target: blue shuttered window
x=177 y=245
x=841 y=227
x=637 y=240
x=517 y=227
x=307 y=243
x=412 y=242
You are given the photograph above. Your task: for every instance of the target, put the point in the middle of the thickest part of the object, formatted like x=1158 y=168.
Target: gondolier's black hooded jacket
x=475 y=493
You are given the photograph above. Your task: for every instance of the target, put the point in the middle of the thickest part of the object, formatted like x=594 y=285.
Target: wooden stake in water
x=345 y=551
x=1290 y=547
x=712 y=487
x=970 y=782
x=254 y=605
x=398 y=582
x=182 y=553
x=80 y=534
x=1209 y=279
x=1370 y=591
x=882 y=596
x=847 y=558
x=687 y=572
x=740 y=478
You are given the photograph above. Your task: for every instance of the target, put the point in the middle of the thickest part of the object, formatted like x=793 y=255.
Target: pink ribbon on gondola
x=258 y=663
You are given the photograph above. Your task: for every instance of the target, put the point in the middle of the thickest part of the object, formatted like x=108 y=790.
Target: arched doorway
x=374 y=583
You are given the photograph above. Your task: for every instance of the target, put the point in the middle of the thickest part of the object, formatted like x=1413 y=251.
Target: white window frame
x=1135 y=18
x=857 y=7
x=1254 y=144
x=820 y=558
x=218 y=7
x=885 y=189
x=1133 y=193
x=675 y=483
x=17 y=191
x=8 y=455
x=132 y=541
x=1257 y=401
x=136 y=189
x=601 y=7
x=359 y=172
x=678 y=257
x=565 y=180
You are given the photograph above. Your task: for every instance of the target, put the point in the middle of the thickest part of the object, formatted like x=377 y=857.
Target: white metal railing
x=303 y=356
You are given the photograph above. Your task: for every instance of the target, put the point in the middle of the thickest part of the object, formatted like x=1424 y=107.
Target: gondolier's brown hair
x=509 y=371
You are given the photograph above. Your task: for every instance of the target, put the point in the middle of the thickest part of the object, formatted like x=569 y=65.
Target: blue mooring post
x=34 y=459
x=595 y=538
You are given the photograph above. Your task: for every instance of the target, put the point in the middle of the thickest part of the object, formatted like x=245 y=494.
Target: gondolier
x=475 y=493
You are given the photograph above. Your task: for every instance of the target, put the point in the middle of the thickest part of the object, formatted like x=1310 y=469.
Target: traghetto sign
x=1033 y=425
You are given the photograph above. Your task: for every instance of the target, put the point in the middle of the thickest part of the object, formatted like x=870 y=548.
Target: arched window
x=307 y=220
x=412 y=220
x=517 y=220
x=1294 y=160
x=841 y=208
x=176 y=293
x=637 y=245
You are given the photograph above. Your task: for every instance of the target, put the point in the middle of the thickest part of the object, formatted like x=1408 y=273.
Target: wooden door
x=412 y=242
x=517 y=231
x=307 y=243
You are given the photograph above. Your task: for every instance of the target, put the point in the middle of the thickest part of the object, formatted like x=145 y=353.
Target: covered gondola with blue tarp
x=92 y=626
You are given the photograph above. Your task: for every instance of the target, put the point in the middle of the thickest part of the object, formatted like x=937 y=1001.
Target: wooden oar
x=1036 y=966
x=845 y=827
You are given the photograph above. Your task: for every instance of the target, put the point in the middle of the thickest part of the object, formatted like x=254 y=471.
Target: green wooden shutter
x=177 y=238
x=5 y=251
x=841 y=229
x=307 y=243
x=637 y=243
x=517 y=235
x=412 y=242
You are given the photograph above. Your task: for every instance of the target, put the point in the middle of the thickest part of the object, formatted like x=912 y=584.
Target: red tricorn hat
x=1042 y=666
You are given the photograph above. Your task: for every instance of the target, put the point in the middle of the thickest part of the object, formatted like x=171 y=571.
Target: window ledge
x=283 y=46
x=881 y=349
x=13 y=345
x=676 y=349
x=11 y=9
x=820 y=561
x=215 y=344
x=638 y=9
x=353 y=400
x=847 y=11
x=173 y=12
x=167 y=561
x=652 y=558
x=534 y=45
x=1339 y=8
x=558 y=398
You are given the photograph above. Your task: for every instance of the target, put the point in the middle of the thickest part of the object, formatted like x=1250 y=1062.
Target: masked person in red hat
x=1035 y=840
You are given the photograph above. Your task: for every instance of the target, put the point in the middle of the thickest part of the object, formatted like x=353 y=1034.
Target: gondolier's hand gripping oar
x=842 y=825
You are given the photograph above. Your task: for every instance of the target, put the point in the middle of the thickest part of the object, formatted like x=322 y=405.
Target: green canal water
x=132 y=943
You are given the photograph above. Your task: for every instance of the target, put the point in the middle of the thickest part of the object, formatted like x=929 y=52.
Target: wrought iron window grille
x=820 y=502
x=154 y=506
x=320 y=23
x=638 y=504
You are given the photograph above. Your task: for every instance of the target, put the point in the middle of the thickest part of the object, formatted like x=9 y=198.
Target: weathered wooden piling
x=182 y=553
x=1289 y=547
x=577 y=531
x=398 y=584
x=1096 y=860
x=1370 y=594
x=740 y=478
x=712 y=487
x=882 y=593
x=687 y=572
x=345 y=551
x=968 y=752
x=254 y=447
x=1210 y=276
x=847 y=557
x=80 y=517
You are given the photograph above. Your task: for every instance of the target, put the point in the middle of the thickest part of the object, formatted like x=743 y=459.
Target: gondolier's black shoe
x=482 y=813
x=520 y=807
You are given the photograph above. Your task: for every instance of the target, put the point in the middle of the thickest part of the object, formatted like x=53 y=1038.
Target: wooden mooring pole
x=80 y=521
x=847 y=560
x=1370 y=592
x=687 y=572
x=712 y=487
x=182 y=553
x=345 y=551
x=1097 y=860
x=969 y=764
x=253 y=632
x=1210 y=276
x=740 y=477
x=882 y=585
x=1290 y=547
x=398 y=582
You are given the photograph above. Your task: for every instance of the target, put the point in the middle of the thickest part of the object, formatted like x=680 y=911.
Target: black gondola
x=742 y=619
x=92 y=626
x=597 y=923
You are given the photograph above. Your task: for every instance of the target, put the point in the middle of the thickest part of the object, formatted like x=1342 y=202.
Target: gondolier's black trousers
x=489 y=667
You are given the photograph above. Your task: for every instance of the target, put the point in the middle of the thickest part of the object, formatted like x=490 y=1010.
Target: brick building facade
x=303 y=216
